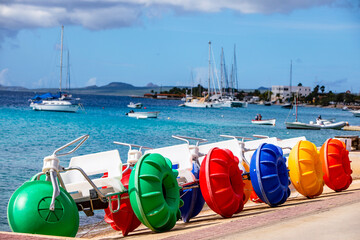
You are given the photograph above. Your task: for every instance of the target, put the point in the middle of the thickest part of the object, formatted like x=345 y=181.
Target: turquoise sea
x=27 y=136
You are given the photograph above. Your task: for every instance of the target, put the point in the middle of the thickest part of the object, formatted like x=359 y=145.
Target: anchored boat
x=60 y=102
x=143 y=115
x=134 y=105
x=356 y=113
x=264 y=122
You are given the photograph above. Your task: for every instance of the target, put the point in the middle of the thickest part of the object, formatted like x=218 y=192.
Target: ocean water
x=27 y=136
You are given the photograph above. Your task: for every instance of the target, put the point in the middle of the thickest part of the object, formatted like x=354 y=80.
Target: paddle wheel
x=336 y=165
x=306 y=169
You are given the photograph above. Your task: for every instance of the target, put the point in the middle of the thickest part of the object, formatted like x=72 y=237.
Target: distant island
x=113 y=89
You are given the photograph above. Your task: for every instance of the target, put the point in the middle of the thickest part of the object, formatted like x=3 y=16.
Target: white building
x=284 y=91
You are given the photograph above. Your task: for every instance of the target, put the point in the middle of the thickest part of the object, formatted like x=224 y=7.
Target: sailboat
x=319 y=124
x=227 y=99
x=204 y=102
x=268 y=102
x=289 y=105
x=300 y=125
x=59 y=102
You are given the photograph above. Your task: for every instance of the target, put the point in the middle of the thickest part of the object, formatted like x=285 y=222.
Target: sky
x=166 y=41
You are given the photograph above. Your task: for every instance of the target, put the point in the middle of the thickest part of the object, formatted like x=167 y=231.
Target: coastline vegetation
x=317 y=97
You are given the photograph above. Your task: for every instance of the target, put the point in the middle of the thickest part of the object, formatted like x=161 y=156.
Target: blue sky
x=162 y=41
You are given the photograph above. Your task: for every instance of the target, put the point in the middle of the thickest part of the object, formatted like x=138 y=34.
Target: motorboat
x=267 y=103
x=356 y=113
x=134 y=105
x=264 y=122
x=300 y=125
x=330 y=124
x=143 y=115
x=287 y=105
x=202 y=103
x=319 y=124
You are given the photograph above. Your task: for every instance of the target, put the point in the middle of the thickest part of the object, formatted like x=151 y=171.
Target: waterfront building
x=283 y=92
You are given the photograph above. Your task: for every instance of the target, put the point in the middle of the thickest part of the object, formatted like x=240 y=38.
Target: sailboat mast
x=61 y=54
x=296 y=107
x=222 y=69
x=209 y=67
x=290 y=79
x=67 y=85
x=235 y=69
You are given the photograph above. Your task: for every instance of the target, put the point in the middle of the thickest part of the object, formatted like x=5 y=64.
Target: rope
x=288 y=115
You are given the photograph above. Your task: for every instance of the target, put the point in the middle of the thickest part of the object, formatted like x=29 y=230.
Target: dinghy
x=143 y=115
x=264 y=122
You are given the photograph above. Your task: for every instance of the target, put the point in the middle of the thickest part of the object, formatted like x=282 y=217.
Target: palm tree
x=322 y=88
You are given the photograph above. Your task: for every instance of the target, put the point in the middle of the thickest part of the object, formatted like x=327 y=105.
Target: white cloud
x=91 y=82
x=22 y=14
x=3 y=80
x=19 y=14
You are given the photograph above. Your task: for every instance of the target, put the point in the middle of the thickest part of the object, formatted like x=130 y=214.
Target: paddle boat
x=214 y=158
x=264 y=122
x=310 y=169
x=134 y=105
x=222 y=179
x=49 y=202
x=267 y=167
x=143 y=115
x=147 y=188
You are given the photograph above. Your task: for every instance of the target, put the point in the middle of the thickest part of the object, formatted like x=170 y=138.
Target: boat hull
x=337 y=126
x=202 y=105
x=356 y=113
x=136 y=105
x=299 y=125
x=288 y=106
x=239 y=104
x=55 y=107
x=143 y=115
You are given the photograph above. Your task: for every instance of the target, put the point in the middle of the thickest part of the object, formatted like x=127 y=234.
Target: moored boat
x=134 y=105
x=326 y=124
x=60 y=102
x=264 y=122
x=143 y=115
x=55 y=105
x=320 y=124
x=356 y=113
x=287 y=105
x=300 y=125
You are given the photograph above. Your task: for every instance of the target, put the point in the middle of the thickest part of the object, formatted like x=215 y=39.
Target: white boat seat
x=289 y=143
x=178 y=154
x=94 y=165
x=233 y=146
